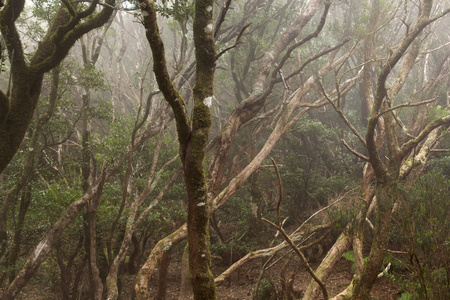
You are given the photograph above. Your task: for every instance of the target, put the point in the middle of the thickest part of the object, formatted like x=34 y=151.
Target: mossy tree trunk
x=390 y=169
x=387 y=173
x=287 y=120
x=192 y=136
x=18 y=102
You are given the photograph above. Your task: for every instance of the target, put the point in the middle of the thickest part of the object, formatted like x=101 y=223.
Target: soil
x=242 y=282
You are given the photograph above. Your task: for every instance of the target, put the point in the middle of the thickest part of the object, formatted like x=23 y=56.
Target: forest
x=229 y=149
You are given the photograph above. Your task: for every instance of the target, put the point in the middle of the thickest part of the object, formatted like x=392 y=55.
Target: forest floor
x=242 y=282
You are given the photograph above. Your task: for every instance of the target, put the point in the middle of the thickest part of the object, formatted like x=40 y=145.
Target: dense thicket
x=129 y=128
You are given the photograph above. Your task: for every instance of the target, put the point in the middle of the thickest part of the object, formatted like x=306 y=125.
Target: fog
x=224 y=150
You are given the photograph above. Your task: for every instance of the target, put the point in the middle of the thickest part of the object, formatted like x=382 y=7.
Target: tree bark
x=19 y=105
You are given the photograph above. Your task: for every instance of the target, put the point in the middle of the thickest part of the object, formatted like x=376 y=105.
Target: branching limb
x=305 y=39
x=445 y=12
x=65 y=31
x=363 y=157
x=88 y=11
x=221 y=18
x=316 y=56
x=8 y=17
x=411 y=144
x=341 y=113
x=289 y=240
x=69 y=7
x=238 y=41
x=165 y=84
x=408 y=104
x=381 y=91
x=302 y=258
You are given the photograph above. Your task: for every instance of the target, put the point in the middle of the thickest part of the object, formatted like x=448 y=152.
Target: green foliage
x=50 y=202
x=438 y=112
x=425 y=229
x=179 y=10
x=405 y=296
x=313 y=168
x=441 y=165
x=345 y=218
x=91 y=77
x=350 y=256
x=266 y=290
x=113 y=144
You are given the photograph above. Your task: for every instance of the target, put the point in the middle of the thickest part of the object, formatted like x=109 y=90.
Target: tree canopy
x=131 y=130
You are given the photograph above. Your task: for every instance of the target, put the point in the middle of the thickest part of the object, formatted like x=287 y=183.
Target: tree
x=402 y=153
x=274 y=83
x=19 y=101
x=192 y=136
x=286 y=114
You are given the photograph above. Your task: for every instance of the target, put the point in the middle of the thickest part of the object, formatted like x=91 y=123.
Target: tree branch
x=63 y=34
x=165 y=84
x=289 y=240
x=363 y=157
x=411 y=144
x=409 y=104
x=238 y=41
x=340 y=113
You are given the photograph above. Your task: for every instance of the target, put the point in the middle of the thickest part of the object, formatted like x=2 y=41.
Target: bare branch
x=302 y=258
x=363 y=157
x=238 y=41
x=341 y=113
x=221 y=18
x=408 y=146
x=408 y=104
x=289 y=240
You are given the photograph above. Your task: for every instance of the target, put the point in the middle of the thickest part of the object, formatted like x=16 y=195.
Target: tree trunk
x=142 y=287
x=186 y=288
x=323 y=271
x=163 y=271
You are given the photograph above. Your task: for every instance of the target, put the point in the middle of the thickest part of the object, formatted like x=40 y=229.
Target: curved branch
x=381 y=91
x=341 y=113
x=363 y=157
x=69 y=7
x=314 y=57
x=408 y=104
x=221 y=18
x=63 y=34
x=238 y=41
x=88 y=11
x=165 y=84
x=305 y=39
x=302 y=258
x=8 y=17
x=411 y=144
